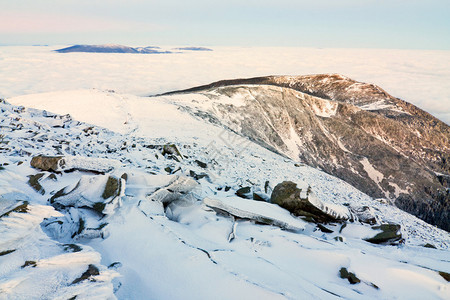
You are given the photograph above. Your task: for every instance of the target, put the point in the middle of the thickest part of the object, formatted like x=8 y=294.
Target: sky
x=394 y=24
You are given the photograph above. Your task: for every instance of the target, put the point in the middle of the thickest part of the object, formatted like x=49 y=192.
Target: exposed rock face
x=304 y=203
x=382 y=145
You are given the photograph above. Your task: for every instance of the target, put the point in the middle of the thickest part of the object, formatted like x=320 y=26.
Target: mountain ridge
x=367 y=133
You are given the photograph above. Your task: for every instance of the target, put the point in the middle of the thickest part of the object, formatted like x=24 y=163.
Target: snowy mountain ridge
x=382 y=145
x=162 y=235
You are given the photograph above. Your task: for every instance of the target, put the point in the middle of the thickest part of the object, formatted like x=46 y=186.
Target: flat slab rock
x=261 y=212
x=66 y=163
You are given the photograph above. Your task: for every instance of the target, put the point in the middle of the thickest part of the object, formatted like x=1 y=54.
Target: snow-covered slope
x=177 y=228
x=384 y=146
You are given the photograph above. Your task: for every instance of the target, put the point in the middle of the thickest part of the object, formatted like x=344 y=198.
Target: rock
x=9 y=206
x=261 y=197
x=91 y=271
x=324 y=229
x=261 y=212
x=445 y=275
x=428 y=245
x=68 y=163
x=33 y=181
x=198 y=176
x=390 y=234
x=201 y=164
x=7 y=252
x=112 y=188
x=169 y=151
x=306 y=204
x=351 y=277
x=244 y=192
x=365 y=214
x=101 y=193
x=47 y=163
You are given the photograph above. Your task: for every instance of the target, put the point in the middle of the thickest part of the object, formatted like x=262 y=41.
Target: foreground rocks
x=68 y=163
x=304 y=203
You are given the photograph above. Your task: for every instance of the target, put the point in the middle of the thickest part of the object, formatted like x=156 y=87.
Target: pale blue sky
x=410 y=24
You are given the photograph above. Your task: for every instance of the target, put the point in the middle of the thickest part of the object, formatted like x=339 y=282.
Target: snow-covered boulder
x=66 y=163
x=261 y=212
x=161 y=188
x=100 y=192
x=386 y=234
x=305 y=203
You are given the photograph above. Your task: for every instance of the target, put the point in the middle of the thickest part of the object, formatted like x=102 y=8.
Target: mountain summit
x=384 y=146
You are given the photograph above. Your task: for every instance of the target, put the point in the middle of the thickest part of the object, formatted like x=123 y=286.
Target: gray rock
x=304 y=203
x=390 y=234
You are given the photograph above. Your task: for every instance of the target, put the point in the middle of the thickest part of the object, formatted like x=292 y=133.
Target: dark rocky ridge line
x=410 y=147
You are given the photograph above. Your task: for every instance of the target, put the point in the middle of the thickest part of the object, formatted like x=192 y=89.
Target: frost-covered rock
x=390 y=234
x=67 y=163
x=306 y=204
x=261 y=212
x=364 y=214
x=100 y=192
x=161 y=188
x=33 y=266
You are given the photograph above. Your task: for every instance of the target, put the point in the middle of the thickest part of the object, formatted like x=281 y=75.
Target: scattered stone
x=33 y=181
x=7 y=252
x=428 y=245
x=28 y=263
x=324 y=229
x=15 y=206
x=390 y=234
x=52 y=177
x=445 y=275
x=91 y=271
x=244 y=192
x=339 y=239
x=201 y=164
x=306 y=204
x=351 y=277
x=365 y=214
x=115 y=265
x=198 y=176
x=47 y=163
x=260 y=197
x=72 y=248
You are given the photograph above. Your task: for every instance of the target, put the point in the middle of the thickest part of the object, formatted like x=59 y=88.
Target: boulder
x=390 y=234
x=258 y=211
x=365 y=214
x=100 y=192
x=67 y=163
x=47 y=163
x=304 y=203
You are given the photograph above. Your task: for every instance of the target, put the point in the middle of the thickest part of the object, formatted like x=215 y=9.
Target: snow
x=182 y=249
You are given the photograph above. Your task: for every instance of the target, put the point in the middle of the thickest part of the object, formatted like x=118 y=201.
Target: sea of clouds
x=421 y=77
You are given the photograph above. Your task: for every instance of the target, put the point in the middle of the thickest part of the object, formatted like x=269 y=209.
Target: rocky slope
x=86 y=213
x=380 y=144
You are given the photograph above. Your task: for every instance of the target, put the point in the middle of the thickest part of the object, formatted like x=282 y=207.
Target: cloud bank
x=421 y=77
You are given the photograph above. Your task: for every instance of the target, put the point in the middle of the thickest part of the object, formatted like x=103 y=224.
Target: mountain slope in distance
x=384 y=146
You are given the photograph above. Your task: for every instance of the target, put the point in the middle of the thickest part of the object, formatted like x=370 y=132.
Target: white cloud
x=418 y=76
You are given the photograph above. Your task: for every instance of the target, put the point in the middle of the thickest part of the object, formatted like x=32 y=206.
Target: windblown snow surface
x=143 y=249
